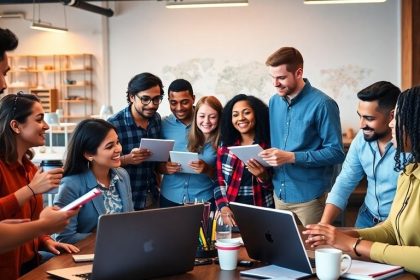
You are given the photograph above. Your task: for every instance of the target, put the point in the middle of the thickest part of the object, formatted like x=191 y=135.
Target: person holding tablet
x=93 y=161
x=184 y=125
x=248 y=182
x=396 y=241
x=140 y=119
x=22 y=127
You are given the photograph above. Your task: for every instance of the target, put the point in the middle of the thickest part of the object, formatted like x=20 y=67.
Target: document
x=248 y=152
x=273 y=272
x=371 y=270
x=184 y=158
x=159 y=147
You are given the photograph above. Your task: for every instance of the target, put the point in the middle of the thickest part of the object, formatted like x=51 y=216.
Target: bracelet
x=355 y=246
x=31 y=189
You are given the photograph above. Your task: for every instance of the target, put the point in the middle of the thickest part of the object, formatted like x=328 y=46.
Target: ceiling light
x=341 y=1
x=40 y=25
x=46 y=27
x=206 y=4
x=12 y=15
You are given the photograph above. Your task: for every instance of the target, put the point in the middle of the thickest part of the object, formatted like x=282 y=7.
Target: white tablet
x=159 y=147
x=184 y=158
x=248 y=152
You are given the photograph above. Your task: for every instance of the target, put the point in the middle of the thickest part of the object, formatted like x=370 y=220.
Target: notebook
x=141 y=245
x=272 y=236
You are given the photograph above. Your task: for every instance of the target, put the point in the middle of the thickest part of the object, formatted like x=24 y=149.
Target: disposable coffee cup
x=227 y=251
x=47 y=165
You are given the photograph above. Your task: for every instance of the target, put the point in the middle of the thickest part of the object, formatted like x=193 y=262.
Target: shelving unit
x=48 y=98
x=61 y=81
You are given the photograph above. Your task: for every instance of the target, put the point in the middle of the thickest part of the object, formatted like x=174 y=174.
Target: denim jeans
x=365 y=219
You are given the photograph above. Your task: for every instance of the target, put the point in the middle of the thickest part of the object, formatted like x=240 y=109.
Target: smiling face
x=145 y=111
x=243 y=117
x=285 y=82
x=207 y=119
x=108 y=153
x=374 y=122
x=181 y=104
x=31 y=133
x=4 y=68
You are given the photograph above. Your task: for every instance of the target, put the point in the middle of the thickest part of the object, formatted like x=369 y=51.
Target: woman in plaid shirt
x=244 y=122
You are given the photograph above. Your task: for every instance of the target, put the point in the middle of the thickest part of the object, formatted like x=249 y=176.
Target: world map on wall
x=222 y=79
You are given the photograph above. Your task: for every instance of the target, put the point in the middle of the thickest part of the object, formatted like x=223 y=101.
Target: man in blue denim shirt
x=371 y=154
x=305 y=138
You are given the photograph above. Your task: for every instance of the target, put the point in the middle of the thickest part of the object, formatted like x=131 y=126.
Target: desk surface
x=199 y=272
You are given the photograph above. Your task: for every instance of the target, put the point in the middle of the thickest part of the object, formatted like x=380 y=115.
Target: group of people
x=300 y=134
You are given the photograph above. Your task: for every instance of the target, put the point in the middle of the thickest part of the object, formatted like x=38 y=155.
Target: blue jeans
x=365 y=219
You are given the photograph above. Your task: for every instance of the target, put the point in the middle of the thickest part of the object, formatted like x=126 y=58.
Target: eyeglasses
x=145 y=100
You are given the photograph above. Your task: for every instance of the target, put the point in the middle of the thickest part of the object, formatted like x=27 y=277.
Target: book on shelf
x=362 y=270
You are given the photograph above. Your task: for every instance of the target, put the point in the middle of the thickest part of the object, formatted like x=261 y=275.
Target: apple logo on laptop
x=148 y=246
x=268 y=237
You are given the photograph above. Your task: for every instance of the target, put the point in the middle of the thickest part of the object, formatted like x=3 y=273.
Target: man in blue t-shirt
x=371 y=154
x=305 y=138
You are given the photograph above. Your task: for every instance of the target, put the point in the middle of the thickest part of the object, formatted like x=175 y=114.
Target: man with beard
x=140 y=119
x=371 y=154
x=305 y=138
x=8 y=42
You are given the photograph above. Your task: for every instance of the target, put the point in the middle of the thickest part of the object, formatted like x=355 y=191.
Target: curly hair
x=229 y=135
x=407 y=128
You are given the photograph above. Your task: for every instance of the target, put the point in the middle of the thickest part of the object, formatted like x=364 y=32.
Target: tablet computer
x=248 y=152
x=82 y=200
x=159 y=147
x=184 y=158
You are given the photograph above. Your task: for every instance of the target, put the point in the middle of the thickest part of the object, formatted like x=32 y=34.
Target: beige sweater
x=397 y=239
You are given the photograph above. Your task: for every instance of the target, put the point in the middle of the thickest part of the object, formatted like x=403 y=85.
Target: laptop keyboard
x=84 y=276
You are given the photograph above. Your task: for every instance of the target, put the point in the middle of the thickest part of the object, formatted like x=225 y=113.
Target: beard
x=375 y=136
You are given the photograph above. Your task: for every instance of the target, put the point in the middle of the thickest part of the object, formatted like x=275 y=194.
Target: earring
x=89 y=161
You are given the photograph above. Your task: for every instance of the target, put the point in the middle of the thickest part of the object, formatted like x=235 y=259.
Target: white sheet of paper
x=248 y=152
x=184 y=158
x=159 y=147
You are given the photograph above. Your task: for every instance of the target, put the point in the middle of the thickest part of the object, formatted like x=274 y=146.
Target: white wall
x=222 y=51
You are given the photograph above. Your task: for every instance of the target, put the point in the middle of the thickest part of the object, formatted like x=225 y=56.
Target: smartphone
x=203 y=261
x=83 y=258
x=82 y=200
x=245 y=263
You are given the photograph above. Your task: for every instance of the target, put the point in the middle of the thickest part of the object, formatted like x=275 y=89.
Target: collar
x=412 y=169
x=293 y=98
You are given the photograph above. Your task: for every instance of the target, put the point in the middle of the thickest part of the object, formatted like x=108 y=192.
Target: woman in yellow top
x=397 y=240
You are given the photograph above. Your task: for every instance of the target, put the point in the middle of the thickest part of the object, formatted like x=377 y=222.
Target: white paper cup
x=227 y=251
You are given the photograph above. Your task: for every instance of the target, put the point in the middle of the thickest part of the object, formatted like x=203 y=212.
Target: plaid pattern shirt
x=142 y=176
x=229 y=173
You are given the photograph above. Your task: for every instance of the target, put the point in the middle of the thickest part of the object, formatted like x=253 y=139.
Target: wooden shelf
x=42 y=74
x=75 y=100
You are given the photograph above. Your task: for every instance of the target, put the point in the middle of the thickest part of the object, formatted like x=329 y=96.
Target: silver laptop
x=272 y=236
x=141 y=245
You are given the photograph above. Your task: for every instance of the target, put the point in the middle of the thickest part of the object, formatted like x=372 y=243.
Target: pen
x=203 y=238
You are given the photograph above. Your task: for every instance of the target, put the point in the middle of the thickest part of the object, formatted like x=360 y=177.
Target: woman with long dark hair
x=22 y=127
x=396 y=241
x=244 y=122
x=93 y=161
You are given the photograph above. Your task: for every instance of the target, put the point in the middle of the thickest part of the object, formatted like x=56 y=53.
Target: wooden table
x=210 y=272
x=86 y=246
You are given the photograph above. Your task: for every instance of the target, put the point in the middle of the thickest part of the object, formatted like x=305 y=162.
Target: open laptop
x=272 y=236
x=140 y=245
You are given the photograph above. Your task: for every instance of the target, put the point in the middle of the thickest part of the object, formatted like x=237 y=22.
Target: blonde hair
x=196 y=138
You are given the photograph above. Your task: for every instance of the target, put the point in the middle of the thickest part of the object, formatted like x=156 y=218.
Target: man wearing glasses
x=140 y=120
